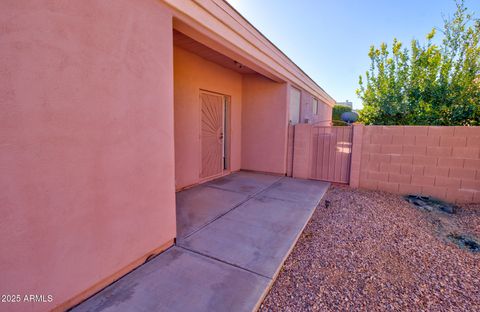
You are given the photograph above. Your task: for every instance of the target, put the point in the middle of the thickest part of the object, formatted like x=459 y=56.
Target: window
x=315 y=106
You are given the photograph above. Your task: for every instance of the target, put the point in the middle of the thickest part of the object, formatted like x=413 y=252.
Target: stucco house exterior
x=108 y=109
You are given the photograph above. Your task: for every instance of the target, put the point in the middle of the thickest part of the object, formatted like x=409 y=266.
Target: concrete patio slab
x=233 y=236
x=256 y=236
x=179 y=280
x=199 y=205
x=245 y=182
x=298 y=190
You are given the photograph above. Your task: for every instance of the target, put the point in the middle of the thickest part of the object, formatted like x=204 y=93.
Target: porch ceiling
x=216 y=22
x=189 y=44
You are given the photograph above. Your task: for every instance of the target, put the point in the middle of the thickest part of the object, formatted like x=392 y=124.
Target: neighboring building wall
x=87 y=163
x=264 y=124
x=192 y=73
x=324 y=113
x=439 y=161
x=306 y=110
x=324 y=116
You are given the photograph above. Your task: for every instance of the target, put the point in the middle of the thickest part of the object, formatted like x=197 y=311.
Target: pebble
x=371 y=251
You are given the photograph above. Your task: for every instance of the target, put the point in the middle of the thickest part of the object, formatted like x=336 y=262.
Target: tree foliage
x=427 y=84
x=338 y=110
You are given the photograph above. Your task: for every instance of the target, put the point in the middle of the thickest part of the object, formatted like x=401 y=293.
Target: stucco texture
x=323 y=117
x=86 y=146
x=264 y=121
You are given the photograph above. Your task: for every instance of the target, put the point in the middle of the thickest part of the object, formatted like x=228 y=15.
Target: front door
x=212 y=134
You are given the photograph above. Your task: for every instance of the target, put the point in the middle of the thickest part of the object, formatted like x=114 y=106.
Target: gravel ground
x=373 y=251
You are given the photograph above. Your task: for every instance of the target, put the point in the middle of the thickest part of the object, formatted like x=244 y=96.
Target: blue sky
x=330 y=39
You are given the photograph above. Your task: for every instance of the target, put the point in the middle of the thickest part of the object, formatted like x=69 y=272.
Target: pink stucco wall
x=264 y=124
x=324 y=113
x=86 y=145
x=324 y=116
x=192 y=74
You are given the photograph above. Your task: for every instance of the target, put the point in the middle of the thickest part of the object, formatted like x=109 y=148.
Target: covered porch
x=234 y=233
x=228 y=116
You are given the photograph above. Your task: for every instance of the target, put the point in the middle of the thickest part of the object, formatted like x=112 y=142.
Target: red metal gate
x=332 y=153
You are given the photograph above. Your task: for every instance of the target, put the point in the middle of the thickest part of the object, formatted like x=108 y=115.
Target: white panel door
x=294 y=110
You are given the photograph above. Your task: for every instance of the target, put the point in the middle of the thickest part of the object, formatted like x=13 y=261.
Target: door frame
x=226 y=150
x=292 y=87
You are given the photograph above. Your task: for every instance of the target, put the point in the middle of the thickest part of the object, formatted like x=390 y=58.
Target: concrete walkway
x=234 y=234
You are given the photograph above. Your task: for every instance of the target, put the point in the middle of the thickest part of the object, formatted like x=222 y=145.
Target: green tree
x=428 y=84
x=338 y=110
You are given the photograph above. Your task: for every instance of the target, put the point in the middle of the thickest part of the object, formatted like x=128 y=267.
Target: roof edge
x=219 y=21
x=273 y=44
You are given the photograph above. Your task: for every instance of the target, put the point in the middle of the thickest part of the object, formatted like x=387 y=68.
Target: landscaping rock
x=370 y=251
